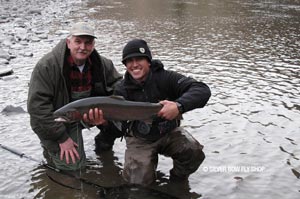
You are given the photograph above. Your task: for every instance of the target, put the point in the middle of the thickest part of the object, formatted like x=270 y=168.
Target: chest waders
x=75 y=133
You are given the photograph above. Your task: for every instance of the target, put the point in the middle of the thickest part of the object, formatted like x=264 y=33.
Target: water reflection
x=87 y=183
x=100 y=180
x=46 y=183
x=181 y=190
x=108 y=167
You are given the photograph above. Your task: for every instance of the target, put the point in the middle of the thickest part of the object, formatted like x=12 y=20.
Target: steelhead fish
x=113 y=107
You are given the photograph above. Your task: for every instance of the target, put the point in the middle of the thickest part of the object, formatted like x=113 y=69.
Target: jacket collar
x=156 y=65
x=72 y=63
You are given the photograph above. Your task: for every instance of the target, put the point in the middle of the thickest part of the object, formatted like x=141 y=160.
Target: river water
x=247 y=51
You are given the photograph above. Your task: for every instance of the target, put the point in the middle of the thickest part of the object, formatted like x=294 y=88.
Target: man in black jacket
x=146 y=80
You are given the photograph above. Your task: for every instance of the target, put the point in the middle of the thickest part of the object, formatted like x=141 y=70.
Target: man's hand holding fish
x=94 y=117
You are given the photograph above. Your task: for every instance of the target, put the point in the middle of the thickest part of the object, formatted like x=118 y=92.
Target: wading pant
x=53 y=158
x=141 y=156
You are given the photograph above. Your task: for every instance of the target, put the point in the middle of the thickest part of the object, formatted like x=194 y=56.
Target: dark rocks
x=12 y=110
x=24 y=24
x=6 y=71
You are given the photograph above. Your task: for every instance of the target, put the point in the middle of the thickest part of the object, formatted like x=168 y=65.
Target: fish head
x=69 y=116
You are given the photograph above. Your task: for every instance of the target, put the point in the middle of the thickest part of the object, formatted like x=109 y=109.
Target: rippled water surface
x=248 y=52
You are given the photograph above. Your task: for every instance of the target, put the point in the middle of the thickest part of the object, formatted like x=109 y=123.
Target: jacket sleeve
x=111 y=75
x=40 y=106
x=120 y=90
x=186 y=90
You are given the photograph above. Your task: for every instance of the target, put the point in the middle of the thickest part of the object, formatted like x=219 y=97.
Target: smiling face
x=81 y=48
x=138 y=68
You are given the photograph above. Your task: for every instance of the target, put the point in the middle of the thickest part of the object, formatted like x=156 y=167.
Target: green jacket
x=49 y=90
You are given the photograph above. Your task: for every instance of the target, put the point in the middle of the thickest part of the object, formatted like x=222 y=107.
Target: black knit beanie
x=136 y=48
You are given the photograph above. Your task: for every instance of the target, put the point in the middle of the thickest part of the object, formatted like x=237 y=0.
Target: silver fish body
x=113 y=107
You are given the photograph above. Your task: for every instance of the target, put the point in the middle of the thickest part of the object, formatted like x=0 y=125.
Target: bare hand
x=94 y=117
x=68 y=149
x=169 y=110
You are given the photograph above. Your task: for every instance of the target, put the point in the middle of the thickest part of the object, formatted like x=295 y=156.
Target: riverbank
x=30 y=28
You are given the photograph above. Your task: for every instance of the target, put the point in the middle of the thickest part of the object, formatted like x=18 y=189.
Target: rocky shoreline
x=26 y=23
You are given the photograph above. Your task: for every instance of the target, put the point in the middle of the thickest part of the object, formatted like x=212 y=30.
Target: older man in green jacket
x=72 y=70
